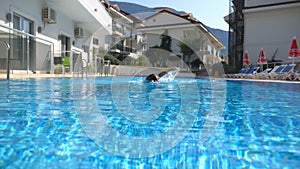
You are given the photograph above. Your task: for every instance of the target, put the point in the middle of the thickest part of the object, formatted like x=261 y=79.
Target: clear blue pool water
x=121 y=122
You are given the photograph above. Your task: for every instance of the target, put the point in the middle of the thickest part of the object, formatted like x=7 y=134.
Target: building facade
x=180 y=30
x=271 y=25
x=125 y=39
x=236 y=33
x=42 y=32
x=257 y=24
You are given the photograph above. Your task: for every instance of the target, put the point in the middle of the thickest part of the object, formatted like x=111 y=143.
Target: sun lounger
x=240 y=73
x=282 y=75
x=243 y=70
x=282 y=72
x=272 y=72
x=297 y=77
x=260 y=75
x=250 y=72
x=266 y=71
x=287 y=69
x=297 y=72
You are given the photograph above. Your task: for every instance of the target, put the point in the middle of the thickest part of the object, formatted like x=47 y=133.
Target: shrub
x=112 y=59
x=66 y=61
x=141 y=61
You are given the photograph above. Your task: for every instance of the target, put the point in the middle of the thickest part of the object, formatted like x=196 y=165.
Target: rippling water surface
x=122 y=122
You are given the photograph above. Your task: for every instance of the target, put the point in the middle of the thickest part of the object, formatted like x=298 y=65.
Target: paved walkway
x=20 y=75
x=38 y=75
x=124 y=71
x=263 y=80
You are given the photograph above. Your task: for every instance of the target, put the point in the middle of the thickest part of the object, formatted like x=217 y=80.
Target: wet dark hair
x=152 y=78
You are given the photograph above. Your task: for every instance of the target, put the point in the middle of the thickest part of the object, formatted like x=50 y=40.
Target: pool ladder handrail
x=6 y=44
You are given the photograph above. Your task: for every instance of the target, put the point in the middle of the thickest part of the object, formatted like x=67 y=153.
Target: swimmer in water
x=155 y=78
x=152 y=78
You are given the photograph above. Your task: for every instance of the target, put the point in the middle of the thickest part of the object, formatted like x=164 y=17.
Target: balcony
x=141 y=39
x=117 y=30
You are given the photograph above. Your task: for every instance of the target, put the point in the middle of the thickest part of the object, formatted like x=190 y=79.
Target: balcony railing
x=28 y=52
x=117 y=29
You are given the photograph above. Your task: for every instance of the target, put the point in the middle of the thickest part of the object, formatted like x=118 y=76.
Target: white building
x=271 y=25
x=41 y=32
x=180 y=27
x=125 y=40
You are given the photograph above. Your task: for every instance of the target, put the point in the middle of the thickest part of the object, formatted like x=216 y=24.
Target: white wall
x=164 y=18
x=271 y=29
x=4 y=9
x=32 y=10
x=100 y=14
x=251 y=3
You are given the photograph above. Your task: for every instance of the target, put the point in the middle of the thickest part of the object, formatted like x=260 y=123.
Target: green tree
x=158 y=55
x=189 y=45
x=166 y=41
x=112 y=59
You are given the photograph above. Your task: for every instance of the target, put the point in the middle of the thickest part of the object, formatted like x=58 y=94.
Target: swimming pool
x=121 y=122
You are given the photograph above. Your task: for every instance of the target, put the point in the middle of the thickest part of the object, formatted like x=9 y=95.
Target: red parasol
x=294 y=50
x=262 y=58
x=246 y=59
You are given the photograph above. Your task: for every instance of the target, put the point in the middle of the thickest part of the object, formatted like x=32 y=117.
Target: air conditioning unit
x=78 y=31
x=49 y=15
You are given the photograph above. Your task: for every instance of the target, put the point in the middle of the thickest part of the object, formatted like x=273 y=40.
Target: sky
x=209 y=12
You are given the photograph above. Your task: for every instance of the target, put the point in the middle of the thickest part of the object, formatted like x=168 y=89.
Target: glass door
x=65 y=43
x=65 y=46
x=23 y=45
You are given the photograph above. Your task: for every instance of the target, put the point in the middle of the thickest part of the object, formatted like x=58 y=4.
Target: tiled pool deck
x=38 y=75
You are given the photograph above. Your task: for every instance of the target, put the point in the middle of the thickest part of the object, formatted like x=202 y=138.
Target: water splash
x=170 y=75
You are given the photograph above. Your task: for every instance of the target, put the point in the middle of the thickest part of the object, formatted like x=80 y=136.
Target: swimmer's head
x=152 y=78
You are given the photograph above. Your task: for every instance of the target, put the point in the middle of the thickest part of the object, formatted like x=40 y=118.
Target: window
x=107 y=39
x=22 y=24
x=86 y=48
x=95 y=41
x=209 y=49
x=23 y=46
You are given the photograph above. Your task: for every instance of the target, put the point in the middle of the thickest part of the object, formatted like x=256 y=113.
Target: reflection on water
x=41 y=124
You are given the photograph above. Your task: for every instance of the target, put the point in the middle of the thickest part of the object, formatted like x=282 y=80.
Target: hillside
x=143 y=12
